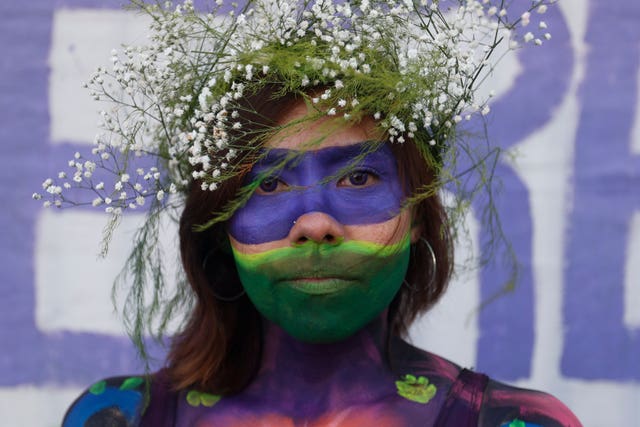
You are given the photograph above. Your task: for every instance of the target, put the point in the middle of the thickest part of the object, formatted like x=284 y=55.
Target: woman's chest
x=390 y=411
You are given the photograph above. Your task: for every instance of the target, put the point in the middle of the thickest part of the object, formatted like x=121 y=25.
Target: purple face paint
x=313 y=181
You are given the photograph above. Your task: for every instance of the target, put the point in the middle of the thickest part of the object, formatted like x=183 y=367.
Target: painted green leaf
x=416 y=389
x=131 y=383
x=98 y=388
x=193 y=398
x=196 y=398
x=517 y=423
x=209 y=400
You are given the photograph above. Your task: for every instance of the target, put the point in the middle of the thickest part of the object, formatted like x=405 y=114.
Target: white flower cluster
x=412 y=65
x=123 y=191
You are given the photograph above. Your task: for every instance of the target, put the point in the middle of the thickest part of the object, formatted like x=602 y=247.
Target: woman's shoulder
x=406 y=358
x=500 y=405
x=505 y=405
x=117 y=401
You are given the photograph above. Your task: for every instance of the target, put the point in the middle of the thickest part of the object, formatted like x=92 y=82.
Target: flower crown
x=412 y=65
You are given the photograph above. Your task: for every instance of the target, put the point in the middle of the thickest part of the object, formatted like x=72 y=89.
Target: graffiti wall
x=569 y=201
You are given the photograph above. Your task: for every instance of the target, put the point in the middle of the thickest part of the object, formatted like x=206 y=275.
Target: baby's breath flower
x=178 y=101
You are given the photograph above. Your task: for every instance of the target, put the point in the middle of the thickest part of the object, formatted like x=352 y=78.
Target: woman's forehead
x=372 y=153
x=304 y=128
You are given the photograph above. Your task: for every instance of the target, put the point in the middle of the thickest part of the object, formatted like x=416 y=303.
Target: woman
x=331 y=269
x=312 y=232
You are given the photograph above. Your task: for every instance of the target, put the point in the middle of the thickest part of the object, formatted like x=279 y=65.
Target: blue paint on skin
x=125 y=402
x=311 y=182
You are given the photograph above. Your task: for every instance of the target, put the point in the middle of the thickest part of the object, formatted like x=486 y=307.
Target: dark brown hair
x=219 y=350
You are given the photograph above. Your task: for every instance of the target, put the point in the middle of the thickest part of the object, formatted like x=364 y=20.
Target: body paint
x=312 y=178
x=116 y=401
x=324 y=293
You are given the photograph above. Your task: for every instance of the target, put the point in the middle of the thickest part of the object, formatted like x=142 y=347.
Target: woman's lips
x=319 y=285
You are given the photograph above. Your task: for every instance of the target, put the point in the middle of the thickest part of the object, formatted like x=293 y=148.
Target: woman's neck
x=309 y=377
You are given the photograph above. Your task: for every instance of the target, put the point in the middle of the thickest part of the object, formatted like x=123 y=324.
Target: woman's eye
x=358 y=179
x=270 y=185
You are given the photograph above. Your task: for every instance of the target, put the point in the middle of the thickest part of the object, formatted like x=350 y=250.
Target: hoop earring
x=433 y=270
x=223 y=298
x=433 y=261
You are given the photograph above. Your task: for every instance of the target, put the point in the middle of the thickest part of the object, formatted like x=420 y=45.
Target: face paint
x=321 y=292
x=312 y=179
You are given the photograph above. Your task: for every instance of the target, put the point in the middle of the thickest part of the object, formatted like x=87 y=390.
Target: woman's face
x=322 y=246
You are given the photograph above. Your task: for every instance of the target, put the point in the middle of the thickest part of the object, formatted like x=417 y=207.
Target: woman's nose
x=317 y=227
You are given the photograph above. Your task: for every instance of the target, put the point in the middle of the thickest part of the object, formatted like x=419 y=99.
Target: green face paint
x=324 y=293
